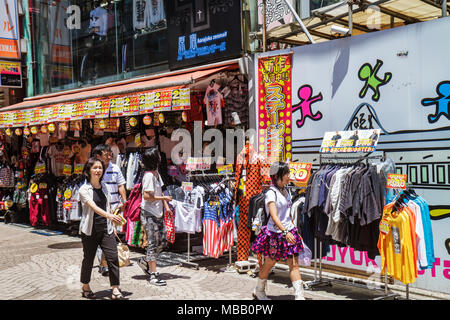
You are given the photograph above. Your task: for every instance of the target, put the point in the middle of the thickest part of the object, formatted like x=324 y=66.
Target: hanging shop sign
x=198 y=163
x=396 y=181
x=350 y=141
x=9 y=33
x=274 y=107
x=10 y=74
x=300 y=173
x=202 y=31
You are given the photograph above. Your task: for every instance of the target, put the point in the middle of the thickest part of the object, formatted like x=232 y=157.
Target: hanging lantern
x=63 y=126
x=184 y=116
x=132 y=122
x=147 y=120
x=18 y=132
x=161 y=118
x=26 y=131
x=102 y=124
x=34 y=130
x=51 y=127
x=44 y=129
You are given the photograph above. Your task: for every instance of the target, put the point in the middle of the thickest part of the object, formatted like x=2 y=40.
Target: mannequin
x=250 y=180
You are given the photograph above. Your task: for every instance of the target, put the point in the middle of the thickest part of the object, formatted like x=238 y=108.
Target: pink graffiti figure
x=305 y=93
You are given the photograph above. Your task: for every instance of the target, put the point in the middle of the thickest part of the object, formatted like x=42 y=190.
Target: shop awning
x=159 y=93
x=168 y=81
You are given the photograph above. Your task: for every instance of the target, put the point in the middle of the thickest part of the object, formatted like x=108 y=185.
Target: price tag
x=67 y=204
x=78 y=168
x=384 y=227
x=396 y=181
x=300 y=172
x=227 y=169
x=39 y=168
x=187 y=186
x=67 y=170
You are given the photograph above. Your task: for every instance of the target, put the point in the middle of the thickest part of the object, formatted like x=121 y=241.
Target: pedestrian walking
x=279 y=239
x=97 y=228
x=152 y=214
x=115 y=182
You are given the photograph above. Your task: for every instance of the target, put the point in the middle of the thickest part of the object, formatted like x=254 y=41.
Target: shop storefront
x=382 y=81
x=46 y=141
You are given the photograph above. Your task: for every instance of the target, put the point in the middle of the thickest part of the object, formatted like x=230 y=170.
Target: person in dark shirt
x=354 y=137
x=96 y=228
x=374 y=137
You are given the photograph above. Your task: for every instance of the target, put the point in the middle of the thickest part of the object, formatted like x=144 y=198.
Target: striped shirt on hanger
x=113 y=178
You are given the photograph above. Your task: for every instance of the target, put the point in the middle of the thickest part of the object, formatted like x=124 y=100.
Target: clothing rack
x=188 y=261
x=319 y=280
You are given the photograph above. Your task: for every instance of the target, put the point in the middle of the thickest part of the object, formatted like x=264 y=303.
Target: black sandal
x=88 y=294
x=117 y=296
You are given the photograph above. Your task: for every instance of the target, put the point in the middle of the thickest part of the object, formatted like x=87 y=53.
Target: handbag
x=304 y=257
x=123 y=253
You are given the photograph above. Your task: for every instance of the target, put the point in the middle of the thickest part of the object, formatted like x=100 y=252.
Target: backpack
x=258 y=216
x=132 y=208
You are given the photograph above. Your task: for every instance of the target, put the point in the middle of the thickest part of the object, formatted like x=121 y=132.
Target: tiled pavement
x=39 y=267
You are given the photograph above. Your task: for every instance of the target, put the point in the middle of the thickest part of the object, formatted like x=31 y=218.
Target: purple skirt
x=275 y=246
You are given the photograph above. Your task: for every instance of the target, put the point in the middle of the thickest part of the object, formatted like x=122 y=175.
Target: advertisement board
x=9 y=30
x=396 y=82
x=203 y=31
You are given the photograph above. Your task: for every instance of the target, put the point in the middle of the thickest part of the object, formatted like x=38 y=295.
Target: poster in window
x=202 y=31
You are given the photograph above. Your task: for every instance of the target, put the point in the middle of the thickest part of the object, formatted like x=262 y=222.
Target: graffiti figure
x=305 y=93
x=369 y=75
x=441 y=102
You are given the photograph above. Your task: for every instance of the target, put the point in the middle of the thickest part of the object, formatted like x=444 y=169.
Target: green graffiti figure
x=369 y=75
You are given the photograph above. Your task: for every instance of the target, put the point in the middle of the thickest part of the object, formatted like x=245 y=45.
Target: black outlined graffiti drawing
x=372 y=81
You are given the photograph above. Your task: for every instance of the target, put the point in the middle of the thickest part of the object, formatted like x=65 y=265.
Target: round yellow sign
x=33 y=188
x=18 y=132
x=63 y=126
x=33 y=129
x=51 y=127
x=8 y=132
x=26 y=131
x=147 y=120
x=161 y=118
x=67 y=194
x=44 y=129
x=133 y=122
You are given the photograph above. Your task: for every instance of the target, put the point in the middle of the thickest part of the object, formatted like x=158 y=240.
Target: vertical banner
x=274 y=107
x=9 y=30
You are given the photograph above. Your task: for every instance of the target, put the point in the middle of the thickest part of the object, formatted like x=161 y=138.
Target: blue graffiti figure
x=442 y=102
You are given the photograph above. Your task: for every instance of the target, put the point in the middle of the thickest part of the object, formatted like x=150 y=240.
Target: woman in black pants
x=97 y=228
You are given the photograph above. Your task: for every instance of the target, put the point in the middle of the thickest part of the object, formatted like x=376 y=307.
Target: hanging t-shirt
x=283 y=209
x=156 y=12
x=213 y=101
x=57 y=159
x=140 y=14
x=98 y=21
x=153 y=184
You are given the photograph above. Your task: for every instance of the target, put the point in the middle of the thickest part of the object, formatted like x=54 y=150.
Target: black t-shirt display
x=100 y=201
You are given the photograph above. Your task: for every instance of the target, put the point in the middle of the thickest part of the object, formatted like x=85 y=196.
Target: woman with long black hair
x=279 y=239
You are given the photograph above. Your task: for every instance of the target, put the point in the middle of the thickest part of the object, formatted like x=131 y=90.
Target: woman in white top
x=279 y=239
x=152 y=214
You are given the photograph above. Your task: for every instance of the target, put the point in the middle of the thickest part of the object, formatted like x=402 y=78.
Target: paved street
x=39 y=267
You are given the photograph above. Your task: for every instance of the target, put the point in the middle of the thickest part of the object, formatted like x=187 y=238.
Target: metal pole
x=350 y=17
x=444 y=8
x=305 y=30
x=264 y=26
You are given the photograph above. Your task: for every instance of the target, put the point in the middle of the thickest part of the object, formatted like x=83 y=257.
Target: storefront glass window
x=79 y=43
x=316 y=4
